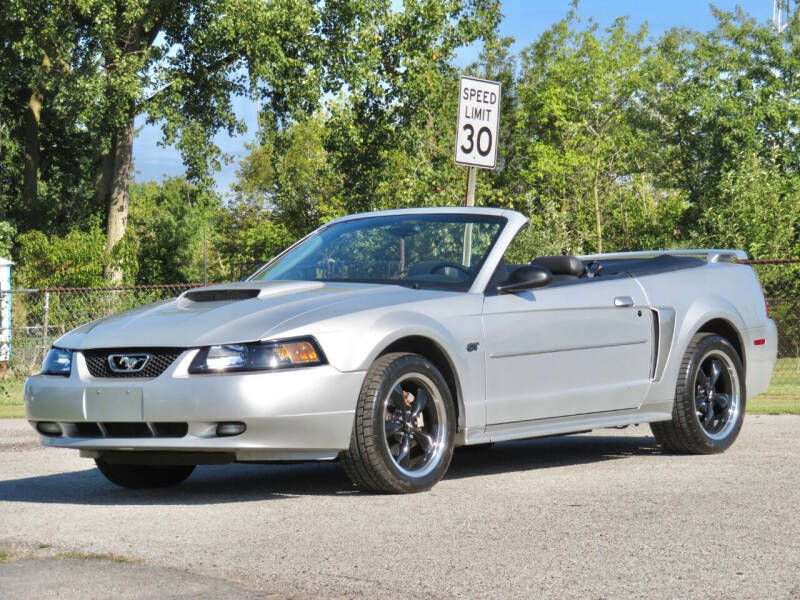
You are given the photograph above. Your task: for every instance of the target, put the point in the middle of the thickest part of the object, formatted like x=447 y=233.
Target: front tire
x=709 y=399
x=404 y=428
x=144 y=476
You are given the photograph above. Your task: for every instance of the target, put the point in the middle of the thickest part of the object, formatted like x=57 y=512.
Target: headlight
x=57 y=362
x=260 y=356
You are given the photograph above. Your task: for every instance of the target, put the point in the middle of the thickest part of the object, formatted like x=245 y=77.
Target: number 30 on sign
x=478 y=118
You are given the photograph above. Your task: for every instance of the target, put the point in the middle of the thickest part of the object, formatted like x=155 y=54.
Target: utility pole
x=780 y=14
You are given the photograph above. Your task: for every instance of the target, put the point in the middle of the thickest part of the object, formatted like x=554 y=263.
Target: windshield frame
x=447 y=215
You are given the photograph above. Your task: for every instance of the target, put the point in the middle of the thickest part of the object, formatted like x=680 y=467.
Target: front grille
x=160 y=360
x=127 y=430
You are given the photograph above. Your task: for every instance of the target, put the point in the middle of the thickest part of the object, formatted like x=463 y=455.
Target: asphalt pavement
x=598 y=515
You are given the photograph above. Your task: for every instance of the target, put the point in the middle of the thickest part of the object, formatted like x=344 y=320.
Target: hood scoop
x=221 y=295
x=248 y=290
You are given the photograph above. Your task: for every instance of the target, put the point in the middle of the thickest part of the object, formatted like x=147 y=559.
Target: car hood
x=229 y=313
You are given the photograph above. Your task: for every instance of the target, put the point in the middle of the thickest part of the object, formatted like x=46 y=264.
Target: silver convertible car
x=384 y=340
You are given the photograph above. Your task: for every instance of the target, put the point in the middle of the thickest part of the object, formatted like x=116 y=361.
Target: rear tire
x=144 y=476
x=709 y=399
x=404 y=428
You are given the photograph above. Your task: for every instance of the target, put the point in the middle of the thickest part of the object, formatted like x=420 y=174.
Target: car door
x=575 y=347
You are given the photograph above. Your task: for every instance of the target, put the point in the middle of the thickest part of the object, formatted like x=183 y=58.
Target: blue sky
x=523 y=20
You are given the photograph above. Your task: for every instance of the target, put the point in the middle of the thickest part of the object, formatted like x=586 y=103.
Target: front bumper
x=296 y=414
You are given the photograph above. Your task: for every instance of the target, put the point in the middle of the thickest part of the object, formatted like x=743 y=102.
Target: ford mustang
x=385 y=340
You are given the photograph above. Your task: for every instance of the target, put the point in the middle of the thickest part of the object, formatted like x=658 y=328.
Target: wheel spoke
x=716 y=369
x=392 y=428
x=405 y=450
x=723 y=401
x=424 y=440
x=702 y=377
x=700 y=401
x=709 y=418
x=396 y=397
x=419 y=402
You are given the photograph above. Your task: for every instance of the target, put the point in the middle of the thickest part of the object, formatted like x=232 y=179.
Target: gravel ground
x=601 y=515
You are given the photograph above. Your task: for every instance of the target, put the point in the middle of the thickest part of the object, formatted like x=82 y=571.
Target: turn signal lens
x=297 y=353
x=260 y=356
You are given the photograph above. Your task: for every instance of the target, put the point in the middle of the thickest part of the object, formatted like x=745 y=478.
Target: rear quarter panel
x=725 y=291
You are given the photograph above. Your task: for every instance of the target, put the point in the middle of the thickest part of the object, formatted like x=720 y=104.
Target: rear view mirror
x=526 y=277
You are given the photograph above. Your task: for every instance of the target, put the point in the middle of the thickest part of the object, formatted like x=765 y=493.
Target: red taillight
x=759 y=342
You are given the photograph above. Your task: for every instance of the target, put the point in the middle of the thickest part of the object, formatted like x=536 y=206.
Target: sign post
x=476 y=136
x=471 y=173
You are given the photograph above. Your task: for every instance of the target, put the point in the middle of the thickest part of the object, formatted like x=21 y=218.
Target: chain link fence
x=39 y=316
x=780 y=279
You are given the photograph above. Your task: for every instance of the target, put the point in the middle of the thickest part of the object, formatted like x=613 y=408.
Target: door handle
x=623 y=301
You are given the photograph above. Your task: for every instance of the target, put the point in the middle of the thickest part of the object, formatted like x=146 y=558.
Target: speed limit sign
x=478 y=118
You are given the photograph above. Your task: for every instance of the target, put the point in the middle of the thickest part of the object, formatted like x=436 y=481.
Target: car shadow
x=547 y=453
x=254 y=482
x=207 y=485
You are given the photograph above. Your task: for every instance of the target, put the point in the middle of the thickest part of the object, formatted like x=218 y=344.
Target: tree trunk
x=102 y=179
x=30 y=181
x=118 y=197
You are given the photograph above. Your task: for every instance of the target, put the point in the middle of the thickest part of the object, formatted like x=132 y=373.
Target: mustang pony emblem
x=127 y=363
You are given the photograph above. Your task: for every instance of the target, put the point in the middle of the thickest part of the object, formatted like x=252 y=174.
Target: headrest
x=561 y=265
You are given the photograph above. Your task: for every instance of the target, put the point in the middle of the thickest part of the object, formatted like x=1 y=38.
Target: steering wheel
x=444 y=265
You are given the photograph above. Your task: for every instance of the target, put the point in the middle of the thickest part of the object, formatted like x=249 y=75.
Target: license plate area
x=113 y=403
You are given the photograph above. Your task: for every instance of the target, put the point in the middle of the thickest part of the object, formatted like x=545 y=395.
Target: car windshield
x=437 y=250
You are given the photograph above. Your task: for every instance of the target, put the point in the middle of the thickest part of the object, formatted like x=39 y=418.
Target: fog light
x=48 y=428
x=228 y=429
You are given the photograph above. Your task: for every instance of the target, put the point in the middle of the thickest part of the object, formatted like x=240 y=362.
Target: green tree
x=504 y=185
x=391 y=135
x=384 y=142
x=289 y=173
x=247 y=235
x=46 y=150
x=583 y=156
x=7 y=233
x=179 y=64
x=726 y=130
x=171 y=227
x=72 y=260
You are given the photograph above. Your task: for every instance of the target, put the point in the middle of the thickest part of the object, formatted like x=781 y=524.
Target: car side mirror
x=526 y=277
